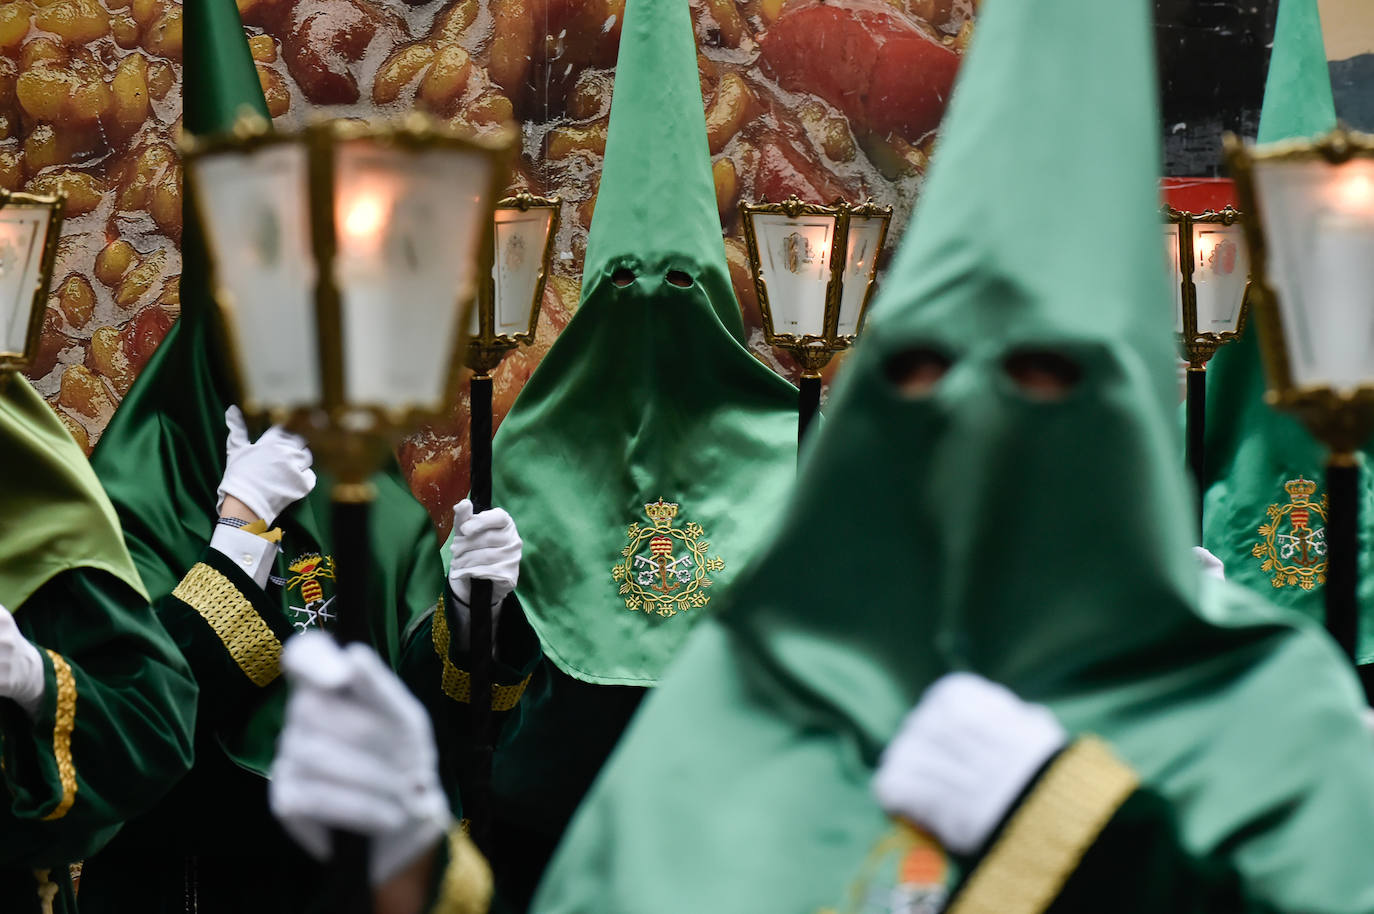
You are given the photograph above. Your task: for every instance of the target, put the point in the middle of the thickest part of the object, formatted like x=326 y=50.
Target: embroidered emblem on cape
x=308 y=572
x=664 y=570
x=1294 y=539
x=906 y=872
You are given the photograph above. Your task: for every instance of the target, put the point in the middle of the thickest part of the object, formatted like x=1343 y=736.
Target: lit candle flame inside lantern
x=365 y=215
x=1357 y=193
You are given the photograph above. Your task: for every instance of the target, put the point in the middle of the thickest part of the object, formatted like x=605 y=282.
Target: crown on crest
x=1300 y=489
x=661 y=512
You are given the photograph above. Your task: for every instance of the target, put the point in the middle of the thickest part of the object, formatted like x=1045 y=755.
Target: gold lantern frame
x=335 y=423
x=486 y=349
x=814 y=351
x=1342 y=419
x=1200 y=346
x=56 y=206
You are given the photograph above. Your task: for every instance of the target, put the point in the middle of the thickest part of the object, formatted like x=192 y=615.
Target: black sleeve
x=1086 y=837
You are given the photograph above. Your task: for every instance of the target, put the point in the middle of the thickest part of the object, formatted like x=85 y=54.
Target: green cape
x=1040 y=544
x=647 y=396
x=55 y=516
x=162 y=456
x=1256 y=454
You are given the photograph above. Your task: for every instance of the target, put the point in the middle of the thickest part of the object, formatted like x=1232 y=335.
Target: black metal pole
x=1343 y=551
x=477 y=801
x=1197 y=430
x=350 y=889
x=808 y=403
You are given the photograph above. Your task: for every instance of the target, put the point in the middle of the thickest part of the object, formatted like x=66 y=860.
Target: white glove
x=267 y=475
x=357 y=753
x=21 y=666
x=487 y=546
x=962 y=757
x=1210 y=564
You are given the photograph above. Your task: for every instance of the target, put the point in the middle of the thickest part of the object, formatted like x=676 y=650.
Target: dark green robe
x=112 y=734
x=214 y=838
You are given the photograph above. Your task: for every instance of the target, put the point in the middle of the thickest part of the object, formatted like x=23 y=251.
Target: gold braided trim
x=457 y=683
x=1048 y=835
x=466 y=886
x=247 y=638
x=65 y=722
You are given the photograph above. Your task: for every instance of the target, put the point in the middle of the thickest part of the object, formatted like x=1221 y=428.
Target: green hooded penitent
x=112 y=729
x=1041 y=544
x=161 y=459
x=644 y=454
x=1264 y=512
x=162 y=456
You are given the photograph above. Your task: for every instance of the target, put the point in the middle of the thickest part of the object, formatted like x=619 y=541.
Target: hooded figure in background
x=97 y=707
x=1000 y=495
x=643 y=458
x=1261 y=463
x=196 y=514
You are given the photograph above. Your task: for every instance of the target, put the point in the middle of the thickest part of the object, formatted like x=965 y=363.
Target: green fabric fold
x=56 y=517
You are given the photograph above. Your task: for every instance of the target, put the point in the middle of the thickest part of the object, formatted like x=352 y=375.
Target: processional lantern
x=1309 y=224
x=30 y=226
x=1211 y=279
x=509 y=300
x=815 y=268
x=344 y=259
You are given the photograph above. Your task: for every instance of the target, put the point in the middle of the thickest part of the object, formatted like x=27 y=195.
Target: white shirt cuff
x=250 y=552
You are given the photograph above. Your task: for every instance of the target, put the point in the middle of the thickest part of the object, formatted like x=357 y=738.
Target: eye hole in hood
x=679 y=278
x=623 y=277
x=1043 y=374
x=916 y=371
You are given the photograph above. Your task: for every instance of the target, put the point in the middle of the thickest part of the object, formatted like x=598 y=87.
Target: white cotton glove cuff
x=962 y=757
x=356 y=752
x=21 y=667
x=1209 y=563
x=268 y=475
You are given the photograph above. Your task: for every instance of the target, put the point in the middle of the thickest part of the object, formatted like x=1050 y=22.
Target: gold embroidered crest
x=1293 y=543
x=664 y=569
x=309 y=572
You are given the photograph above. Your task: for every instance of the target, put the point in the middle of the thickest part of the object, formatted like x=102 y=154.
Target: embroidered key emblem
x=1293 y=544
x=309 y=571
x=665 y=569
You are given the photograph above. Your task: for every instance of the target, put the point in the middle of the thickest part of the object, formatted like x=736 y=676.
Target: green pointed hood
x=1044 y=545
x=656 y=206
x=1255 y=453
x=647 y=395
x=162 y=455
x=54 y=517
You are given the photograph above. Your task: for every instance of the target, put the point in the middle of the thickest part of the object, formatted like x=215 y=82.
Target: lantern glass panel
x=23 y=230
x=1221 y=267
x=861 y=261
x=794 y=262
x=1319 y=225
x=1173 y=265
x=408 y=225
x=257 y=222
x=521 y=237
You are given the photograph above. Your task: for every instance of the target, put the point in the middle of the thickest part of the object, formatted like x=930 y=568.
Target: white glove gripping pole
x=21 y=666
x=962 y=757
x=356 y=753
